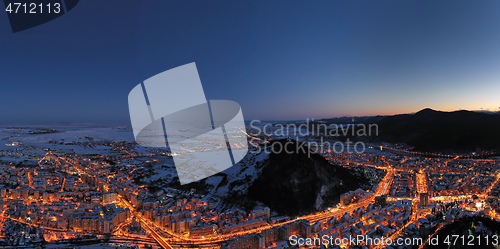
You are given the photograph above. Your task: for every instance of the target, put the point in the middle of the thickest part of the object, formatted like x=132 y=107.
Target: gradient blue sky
x=278 y=59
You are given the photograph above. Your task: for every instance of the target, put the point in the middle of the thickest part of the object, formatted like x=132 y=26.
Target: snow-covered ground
x=66 y=134
x=19 y=144
x=243 y=174
x=30 y=143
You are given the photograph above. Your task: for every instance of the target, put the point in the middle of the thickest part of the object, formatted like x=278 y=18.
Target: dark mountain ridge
x=431 y=130
x=295 y=183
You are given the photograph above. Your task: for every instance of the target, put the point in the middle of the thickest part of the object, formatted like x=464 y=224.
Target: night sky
x=278 y=59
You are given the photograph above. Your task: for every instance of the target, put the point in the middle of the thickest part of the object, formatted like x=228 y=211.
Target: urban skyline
x=59 y=188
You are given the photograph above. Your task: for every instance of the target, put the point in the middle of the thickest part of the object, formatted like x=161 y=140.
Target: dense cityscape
x=69 y=198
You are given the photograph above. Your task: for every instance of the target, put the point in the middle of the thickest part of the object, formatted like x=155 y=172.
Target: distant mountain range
x=431 y=130
x=294 y=183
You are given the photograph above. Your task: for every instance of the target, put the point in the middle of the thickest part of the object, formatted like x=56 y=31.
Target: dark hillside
x=293 y=183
